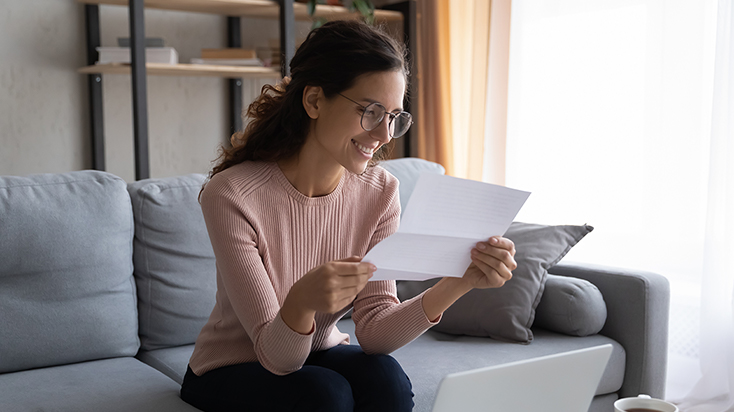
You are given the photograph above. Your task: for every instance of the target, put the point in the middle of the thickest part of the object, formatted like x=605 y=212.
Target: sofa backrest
x=175 y=269
x=408 y=170
x=66 y=288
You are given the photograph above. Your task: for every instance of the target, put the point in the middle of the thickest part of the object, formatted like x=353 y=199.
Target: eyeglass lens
x=398 y=123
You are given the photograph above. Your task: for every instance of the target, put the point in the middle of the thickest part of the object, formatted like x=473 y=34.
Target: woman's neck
x=311 y=175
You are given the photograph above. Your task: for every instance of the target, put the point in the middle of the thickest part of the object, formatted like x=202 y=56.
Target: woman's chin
x=357 y=167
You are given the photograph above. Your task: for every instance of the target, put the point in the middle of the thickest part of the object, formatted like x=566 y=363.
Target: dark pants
x=342 y=378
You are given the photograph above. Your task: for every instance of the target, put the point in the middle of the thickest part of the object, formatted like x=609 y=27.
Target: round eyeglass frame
x=392 y=116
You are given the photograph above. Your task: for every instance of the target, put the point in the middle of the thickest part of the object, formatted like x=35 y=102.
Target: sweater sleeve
x=382 y=323
x=245 y=280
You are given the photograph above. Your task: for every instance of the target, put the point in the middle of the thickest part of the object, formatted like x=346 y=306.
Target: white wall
x=44 y=121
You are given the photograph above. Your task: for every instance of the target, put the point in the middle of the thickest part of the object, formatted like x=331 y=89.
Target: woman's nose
x=382 y=132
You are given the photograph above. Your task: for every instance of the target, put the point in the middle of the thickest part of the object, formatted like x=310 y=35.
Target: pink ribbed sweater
x=266 y=235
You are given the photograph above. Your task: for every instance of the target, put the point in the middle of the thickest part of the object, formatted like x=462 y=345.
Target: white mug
x=644 y=402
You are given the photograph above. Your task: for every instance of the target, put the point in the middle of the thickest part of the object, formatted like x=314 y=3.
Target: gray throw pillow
x=571 y=306
x=175 y=270
x=507 y=313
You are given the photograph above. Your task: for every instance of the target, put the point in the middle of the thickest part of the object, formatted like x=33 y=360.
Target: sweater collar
x=294 y=194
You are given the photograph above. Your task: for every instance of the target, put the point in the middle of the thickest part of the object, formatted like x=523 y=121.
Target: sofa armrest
x=637 y=318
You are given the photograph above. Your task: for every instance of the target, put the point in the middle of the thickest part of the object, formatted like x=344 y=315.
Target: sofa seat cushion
x=433 y=355
x=171 y=361
x=119 y=384
x=67 y=293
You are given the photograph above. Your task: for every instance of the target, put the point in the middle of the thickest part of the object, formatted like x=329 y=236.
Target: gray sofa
x=104 y=287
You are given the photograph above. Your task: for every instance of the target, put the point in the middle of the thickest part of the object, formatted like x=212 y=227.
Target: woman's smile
x=364 y=150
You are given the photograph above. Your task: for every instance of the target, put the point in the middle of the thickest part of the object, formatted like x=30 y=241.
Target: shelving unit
x=253 y=8
x=285 y=10
x=185 y=70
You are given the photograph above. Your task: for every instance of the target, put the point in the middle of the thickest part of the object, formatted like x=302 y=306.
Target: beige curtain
x=432 y=71
x=462 y=61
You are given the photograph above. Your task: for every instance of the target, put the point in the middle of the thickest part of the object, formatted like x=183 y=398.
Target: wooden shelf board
x=186 y=70
x=253 y=8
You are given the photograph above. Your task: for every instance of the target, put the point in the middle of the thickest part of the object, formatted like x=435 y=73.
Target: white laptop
x=564 y=382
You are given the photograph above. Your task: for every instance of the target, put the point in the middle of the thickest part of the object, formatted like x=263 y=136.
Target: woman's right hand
x=327 y=289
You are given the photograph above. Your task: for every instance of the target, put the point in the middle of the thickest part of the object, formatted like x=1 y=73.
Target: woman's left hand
x=492 y=263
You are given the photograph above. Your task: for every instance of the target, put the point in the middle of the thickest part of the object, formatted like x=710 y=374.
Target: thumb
x=351 y=259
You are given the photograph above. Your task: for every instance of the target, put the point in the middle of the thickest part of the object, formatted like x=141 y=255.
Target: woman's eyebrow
x=399 y=109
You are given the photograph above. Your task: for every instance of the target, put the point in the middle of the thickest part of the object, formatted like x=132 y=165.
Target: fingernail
x=493 y=240
x=481 y=246
x=373 y=268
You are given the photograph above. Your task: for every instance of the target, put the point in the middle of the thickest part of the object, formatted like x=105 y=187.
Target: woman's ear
x=311 y=99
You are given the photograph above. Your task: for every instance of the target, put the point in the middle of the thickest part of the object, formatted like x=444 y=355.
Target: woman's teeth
x=365 y=150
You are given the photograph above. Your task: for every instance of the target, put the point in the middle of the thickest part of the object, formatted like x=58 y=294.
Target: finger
x=489 y=262
x=353 y=268
x=502 y=243
x=347 y=300
x=351 y=281
x=503 y=255
x=353 y=258
x=493 y=277
x=345 y=296
x=353 y=290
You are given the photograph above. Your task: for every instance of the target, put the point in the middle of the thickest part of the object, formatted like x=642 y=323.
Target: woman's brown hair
x=332 y=57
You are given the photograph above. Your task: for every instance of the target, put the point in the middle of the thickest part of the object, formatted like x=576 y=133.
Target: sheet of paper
x=450 y=206
x=443 y=220
x=420 y=257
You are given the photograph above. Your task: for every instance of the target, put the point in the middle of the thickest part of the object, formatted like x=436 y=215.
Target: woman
x=291 y=208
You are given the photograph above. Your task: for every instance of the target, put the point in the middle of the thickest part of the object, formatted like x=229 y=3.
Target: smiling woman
x=291 y=209
x=346 y=132
x=328 y=60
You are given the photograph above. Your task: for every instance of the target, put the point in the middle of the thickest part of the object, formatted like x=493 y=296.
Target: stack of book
x=228 y=57
x=155 y=52
x=166 y=55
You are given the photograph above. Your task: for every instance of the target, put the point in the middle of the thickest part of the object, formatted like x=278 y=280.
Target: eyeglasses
x=374 y=113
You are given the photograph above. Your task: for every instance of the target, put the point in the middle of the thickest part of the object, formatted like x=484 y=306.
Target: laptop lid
x=563 y=382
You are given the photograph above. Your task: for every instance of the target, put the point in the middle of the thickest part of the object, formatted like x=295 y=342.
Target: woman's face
x=337 y=129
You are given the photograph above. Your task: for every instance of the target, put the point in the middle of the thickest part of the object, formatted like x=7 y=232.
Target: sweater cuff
x=282 y=350
x=419 y=298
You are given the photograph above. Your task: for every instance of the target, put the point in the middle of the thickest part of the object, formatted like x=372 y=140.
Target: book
x=229 y=62
x=232 y=53
x=166 y=55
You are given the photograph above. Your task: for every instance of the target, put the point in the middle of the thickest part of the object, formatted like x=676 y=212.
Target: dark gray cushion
x=110 y=385
x=66 y=287
x=572 y=306
x=175 y=269
x=507 y=313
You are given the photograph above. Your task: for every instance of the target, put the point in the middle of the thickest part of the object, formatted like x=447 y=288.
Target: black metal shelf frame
x=139 y=78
